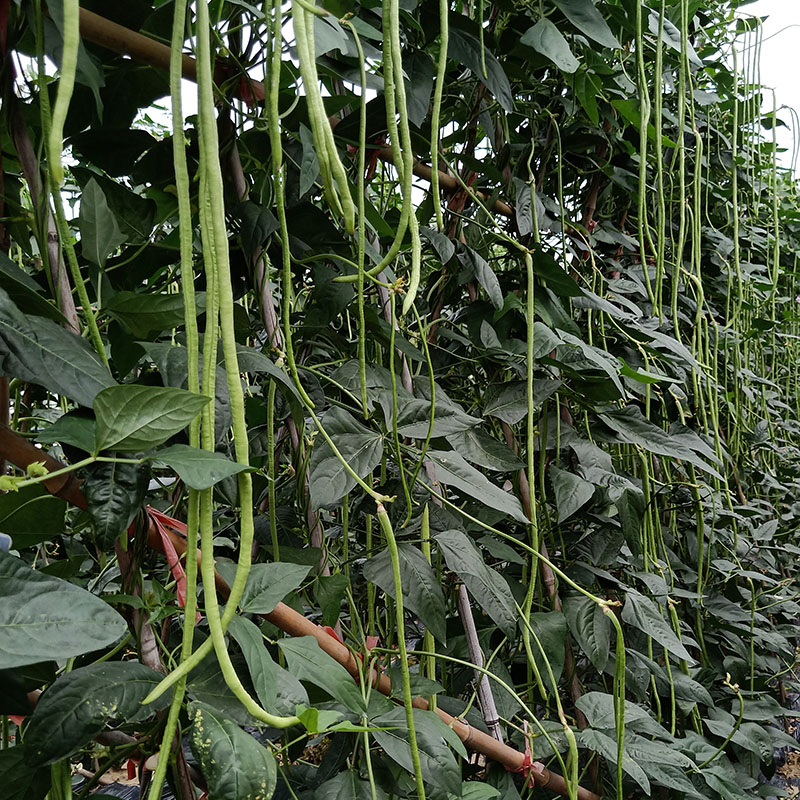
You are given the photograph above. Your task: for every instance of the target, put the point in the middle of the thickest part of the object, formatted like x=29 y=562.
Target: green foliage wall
x=539 y=380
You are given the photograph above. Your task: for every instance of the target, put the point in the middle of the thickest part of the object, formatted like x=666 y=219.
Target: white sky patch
x=780 y=53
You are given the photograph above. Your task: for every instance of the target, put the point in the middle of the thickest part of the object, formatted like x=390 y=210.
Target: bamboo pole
x=20 y=452
x=122 y=40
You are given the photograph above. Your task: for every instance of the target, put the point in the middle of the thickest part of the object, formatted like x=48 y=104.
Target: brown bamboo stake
x=22 y=453
x=122 y=40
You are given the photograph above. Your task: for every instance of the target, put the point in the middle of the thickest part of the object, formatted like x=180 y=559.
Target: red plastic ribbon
x=528 y=766
x=163 y=525
x=132 y=768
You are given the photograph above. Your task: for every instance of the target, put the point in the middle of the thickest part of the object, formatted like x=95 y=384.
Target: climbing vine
x=396 y=399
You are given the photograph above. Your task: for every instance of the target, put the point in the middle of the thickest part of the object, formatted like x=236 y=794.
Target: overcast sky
x=780 y=58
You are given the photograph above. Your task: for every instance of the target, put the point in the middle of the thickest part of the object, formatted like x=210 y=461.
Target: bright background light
x=780 y=62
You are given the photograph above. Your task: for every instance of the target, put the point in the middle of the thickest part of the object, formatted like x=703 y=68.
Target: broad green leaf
x=632 y=427
x=39 y=351
x=550 y=628
x=598 y=708
x=556 y=277
x=583 y=14
x=473 y=261
x=544 y=340
x=594 y=359
x=509 y=401
x=465 y=47
x=198 y=469
x=605 y=746
x=256 y=224
x=70 y=429
x=479 y=448
x=24 y=292
x=329 y=591
x=134 y=418
x=725 y=782
x=472 y=790
x=414 y=414
x=671 y=36
x=645 y=751
x=144 y=312
x=348 y=786
x=44 y=618
x=307 y=661
x=233 y=763
x=422 y=593
x=440 y=770
x=572 y=492
x=77 y=707
x=329 y=35
x=206 y=684
x=309 y=167
x=361 y=448
x=487 y=586
x=251 y=360
x=20 y=780
x=590 y=627
x=443 y=245
x=114 y=493
x=453 y=470
x=643 y=614
x=87 y=71
x=263 y=670
x=420 y=71
x=100 y=233
x=545 y=38
x=31 y=515
x=268 y=584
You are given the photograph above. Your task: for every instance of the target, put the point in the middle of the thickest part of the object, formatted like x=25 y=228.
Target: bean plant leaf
x=479 y=448
x=509 y=401
x=70 y=429
x=198 y=469
x=632 y=427
x=605 y=746
x=360 y=447
x=31 y=515
x=487 y=586
x=453 y=470
x=100 y=232
x=135 y=418
x=263 y=670
x=80 y=703
x=545 y=38
x=348 y=786
x=146 y=312
x=42 y=617
x=422 y=593
x=268 y=584
x=20 y=780
x=235 y=765
x=24 y=292
x=115 y=493
x=583 y=14
x=572 y=492
x=465 y=47
x=39 y=351
x=307 y=661
x=643 y=614
x=439 y=768
x=485 y=275
x=309 y=167
x=671 y=36
x=590 y=627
